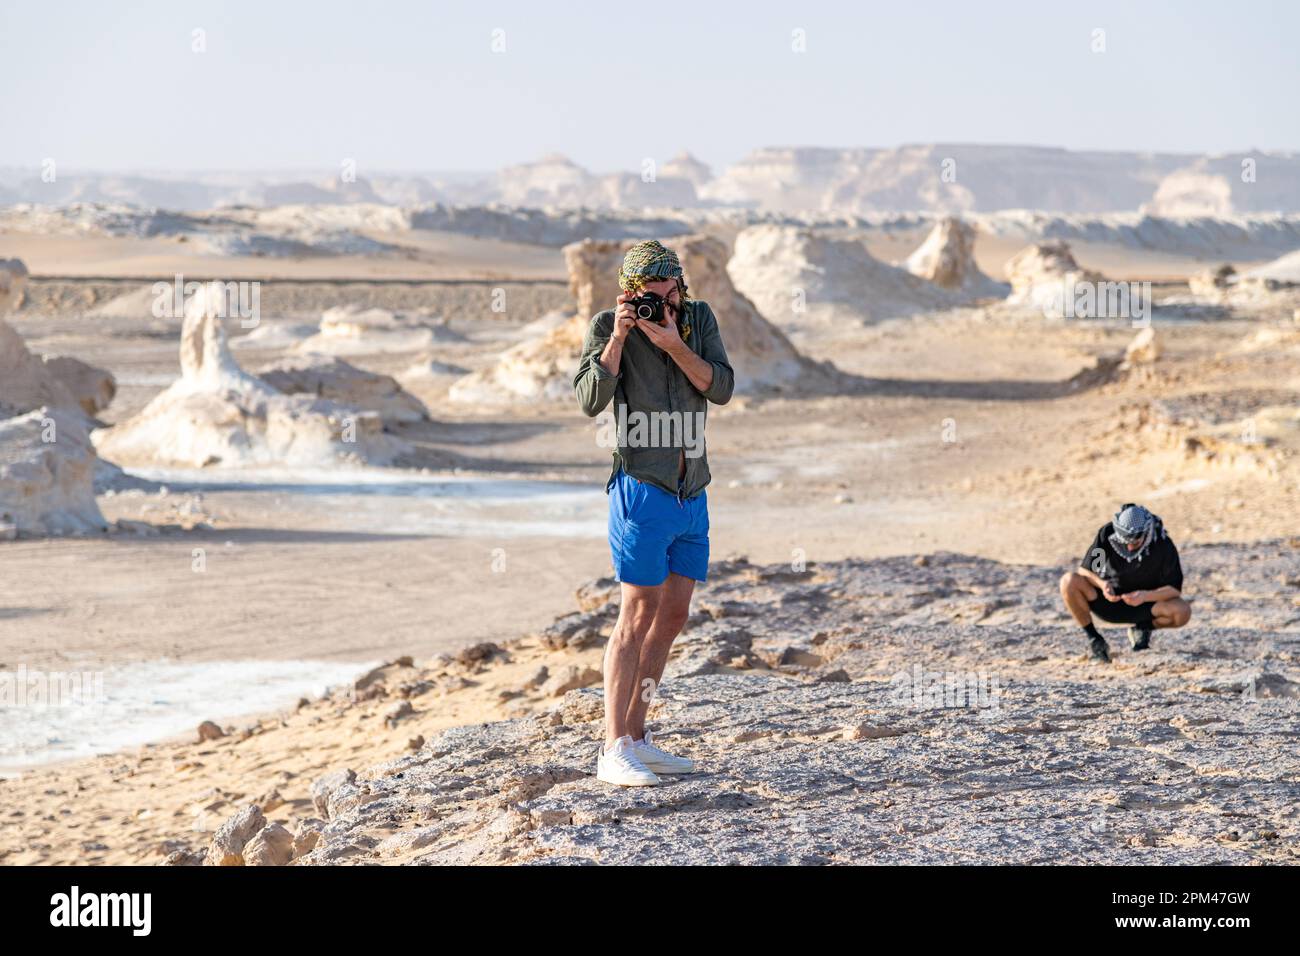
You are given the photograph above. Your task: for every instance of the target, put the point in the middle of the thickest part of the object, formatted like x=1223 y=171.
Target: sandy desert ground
x=975 y=431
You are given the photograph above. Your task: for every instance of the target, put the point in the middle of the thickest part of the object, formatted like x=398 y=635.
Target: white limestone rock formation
x=760 y=353
x=47 y=472
x=13 y=278
x=92 y=388
x=1044 y=277
x=947 y=258
x=1212 y=283
x=1145 y=348
x=800 y=278
x=26 y=382
x=47 y=463
x=341 y=382
x=351 y=330
x=542 y=368
x=217 y=414
x=1285 y=269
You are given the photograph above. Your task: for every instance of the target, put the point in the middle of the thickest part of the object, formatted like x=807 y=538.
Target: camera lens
x=646 y=312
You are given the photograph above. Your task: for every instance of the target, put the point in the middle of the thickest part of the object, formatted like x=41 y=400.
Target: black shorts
x=1117 y=612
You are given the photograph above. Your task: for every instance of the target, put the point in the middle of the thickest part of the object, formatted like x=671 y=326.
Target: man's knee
x=1178 y=612
x=1074 y=582
x=635 y=616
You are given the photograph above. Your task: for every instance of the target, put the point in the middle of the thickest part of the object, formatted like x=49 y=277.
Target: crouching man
x=1130 y=575
x=658 y=357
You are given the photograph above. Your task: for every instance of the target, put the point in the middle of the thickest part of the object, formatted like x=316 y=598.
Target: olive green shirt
x=648 y=384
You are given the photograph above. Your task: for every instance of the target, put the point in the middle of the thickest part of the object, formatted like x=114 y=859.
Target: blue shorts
x=652 y=533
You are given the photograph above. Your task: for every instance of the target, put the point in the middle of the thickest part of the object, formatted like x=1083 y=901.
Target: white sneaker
x=619 y=765
x=660 y=761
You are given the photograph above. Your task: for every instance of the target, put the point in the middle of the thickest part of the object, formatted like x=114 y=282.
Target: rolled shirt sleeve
x=713 y=352
x=593 y=383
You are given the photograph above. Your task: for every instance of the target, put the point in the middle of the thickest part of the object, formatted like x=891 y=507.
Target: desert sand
x=971 y=445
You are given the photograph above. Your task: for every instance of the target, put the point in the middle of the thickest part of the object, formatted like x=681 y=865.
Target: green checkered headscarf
x=650 y=260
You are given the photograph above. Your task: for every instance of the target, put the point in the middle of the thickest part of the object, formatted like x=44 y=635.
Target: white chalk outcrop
x=1044 y=278
x=216 y=414
x=542 y=368
x=760 y=353
x=947 y=258
x=93 y=388
x=800 y=277
x=1285 y=269
x=47 y=463
x=341 y=382
x=351 y=330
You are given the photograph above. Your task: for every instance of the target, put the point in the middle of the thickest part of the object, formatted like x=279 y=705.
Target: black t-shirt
x=1156 y=568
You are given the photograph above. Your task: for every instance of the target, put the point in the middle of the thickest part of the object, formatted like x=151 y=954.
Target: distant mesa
x=936 y=178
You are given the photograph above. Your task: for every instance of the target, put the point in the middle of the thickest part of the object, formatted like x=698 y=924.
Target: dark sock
x=1091 y=630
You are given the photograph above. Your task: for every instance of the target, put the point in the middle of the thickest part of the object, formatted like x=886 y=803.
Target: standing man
x=659 y=357
x=1130 y=575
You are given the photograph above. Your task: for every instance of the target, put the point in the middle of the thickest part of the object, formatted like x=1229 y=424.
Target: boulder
x=228 y=843
x=1145 y=348
x=947 y=258
x=569 y=677
x=13 y=279
x=1043 y=275
x=324 y=786
x=1212 y=283
x=271 y=846
x=27 y=383
x=210 y=730
x=92 y=388
x=47 y=473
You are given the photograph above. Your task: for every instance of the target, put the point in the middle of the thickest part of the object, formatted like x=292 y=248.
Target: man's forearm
x=612 y=355
x=696 y=369
x=1166 y=592
x=1091 y=575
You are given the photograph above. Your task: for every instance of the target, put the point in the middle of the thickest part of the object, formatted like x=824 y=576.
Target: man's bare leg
x=1172 y=613
x=674 y=609
x=1077 y=591
x=623 y=655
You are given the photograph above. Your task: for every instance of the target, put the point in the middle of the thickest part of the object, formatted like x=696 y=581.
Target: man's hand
x=665 y=336
x=1108 y=592
x=1134 y=598
x=624 y=317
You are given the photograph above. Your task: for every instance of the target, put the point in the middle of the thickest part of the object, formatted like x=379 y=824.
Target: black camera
x=649 y=306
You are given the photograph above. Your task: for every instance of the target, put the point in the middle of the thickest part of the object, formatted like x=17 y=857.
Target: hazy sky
x=417 y=86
